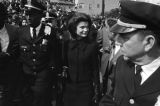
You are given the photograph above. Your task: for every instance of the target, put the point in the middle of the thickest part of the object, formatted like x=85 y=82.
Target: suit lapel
x=150 y=85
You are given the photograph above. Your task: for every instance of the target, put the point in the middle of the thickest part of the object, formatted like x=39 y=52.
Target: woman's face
x=82 y=29
x=24 y=22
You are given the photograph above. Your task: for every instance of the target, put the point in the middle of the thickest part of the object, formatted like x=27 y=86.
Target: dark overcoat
x=82 y=73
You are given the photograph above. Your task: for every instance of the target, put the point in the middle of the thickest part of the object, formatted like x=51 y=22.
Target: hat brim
x=121 y=27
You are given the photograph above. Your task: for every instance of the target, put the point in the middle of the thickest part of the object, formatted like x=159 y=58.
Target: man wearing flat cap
x=38 y=57
x=137 y=74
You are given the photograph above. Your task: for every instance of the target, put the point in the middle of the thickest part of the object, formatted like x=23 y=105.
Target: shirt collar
x=153 y=66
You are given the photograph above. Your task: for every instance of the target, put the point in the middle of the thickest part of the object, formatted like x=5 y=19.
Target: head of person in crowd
x=3 y=15
x=109 y=22
x=24 y=22
x=138 y=29
x=79 y=25
x=50 y=18
x=35 y=12
x=43 y=20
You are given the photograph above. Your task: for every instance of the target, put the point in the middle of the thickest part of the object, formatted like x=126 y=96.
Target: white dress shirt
x=149 y=69
x=37 y=30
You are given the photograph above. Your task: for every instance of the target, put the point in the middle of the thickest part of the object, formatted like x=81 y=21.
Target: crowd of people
x=51 y=57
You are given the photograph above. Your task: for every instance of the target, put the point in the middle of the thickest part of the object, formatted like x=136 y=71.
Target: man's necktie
x=138 y=77
x=34 y=33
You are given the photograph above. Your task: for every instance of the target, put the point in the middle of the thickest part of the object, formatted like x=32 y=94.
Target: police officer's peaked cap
x=137 y=15
x=36 y=5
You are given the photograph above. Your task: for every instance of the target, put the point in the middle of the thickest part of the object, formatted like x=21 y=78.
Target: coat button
x=34 y=60
x=34 y=45
x=34 y=52
x=131 y=101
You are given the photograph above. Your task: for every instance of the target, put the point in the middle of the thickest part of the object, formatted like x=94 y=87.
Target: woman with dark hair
x=23 y=22
x=82 y=84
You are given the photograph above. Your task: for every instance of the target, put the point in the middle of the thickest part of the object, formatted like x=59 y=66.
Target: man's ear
x=149 y=42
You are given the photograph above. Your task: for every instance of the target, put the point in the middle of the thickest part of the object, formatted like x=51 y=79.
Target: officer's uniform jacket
x=125 y=94
x=35 y=54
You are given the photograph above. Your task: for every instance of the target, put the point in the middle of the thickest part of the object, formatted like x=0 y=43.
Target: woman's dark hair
x=75 y=20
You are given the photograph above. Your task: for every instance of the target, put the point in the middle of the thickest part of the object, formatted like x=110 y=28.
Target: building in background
x=94 y=7
x=68 y=5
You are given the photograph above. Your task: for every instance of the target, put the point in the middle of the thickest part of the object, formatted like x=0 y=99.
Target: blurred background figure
x=9 y=66
x=105 y=41
x=43 y=21
x=50 y=19
x=24 y=22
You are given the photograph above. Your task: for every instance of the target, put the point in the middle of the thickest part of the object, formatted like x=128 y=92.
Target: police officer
x=38 y=57
x=138 y=70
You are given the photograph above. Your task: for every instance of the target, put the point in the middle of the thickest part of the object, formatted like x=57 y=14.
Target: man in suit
x=104 y=45
x=9 y=67
x=137 y=71
x=109 y=48
x=38 y=57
